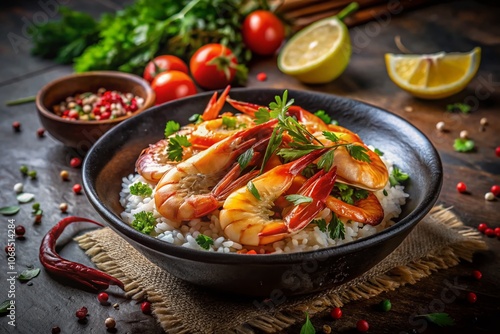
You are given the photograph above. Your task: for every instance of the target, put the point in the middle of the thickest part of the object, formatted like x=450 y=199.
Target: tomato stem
x=351 y=8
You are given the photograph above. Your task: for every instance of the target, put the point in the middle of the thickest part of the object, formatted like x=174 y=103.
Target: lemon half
x=318 y=53
x=433 y=76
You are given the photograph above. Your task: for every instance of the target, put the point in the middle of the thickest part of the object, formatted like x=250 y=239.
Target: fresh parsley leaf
x=245 y=158
x=440 y=319
x=229 y=122
x=28 y=274
x=280 y=107
x=144 y=222
x=397 y=176
x=331 y=136
x=274 y=143
x=297 y=199
x=358 y=152
x=463 y=145
x=360 y=194
x=343 y=192
x=326 y=161
x=195 y=118
x=336 y=228
x=9 y=210
x=171 y=127
x=141 y=189
x=321 y=223
x=261 y=116
x=204 y=241
x=324 y=116
x=462 y=107
x=378 y=152
x=254 y=191
x=175 y=147
x=307 y=327
x=290 y=154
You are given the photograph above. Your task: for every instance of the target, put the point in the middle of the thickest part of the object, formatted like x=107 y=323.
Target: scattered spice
x=82 y=313
x=489 y=196
x=18 y=188
x=497 y=232
x=489 y=232
x=16 y=126
x=362 y=326
x=327 y=329
x=307 y=327
x=482 y=227
x=462 y=107
x=385 y=305
x=495 y=189
x=204 y=241
x=477 y=274
x=464 y=134
x=483 y=121
x=40 y=132
x=77 y=188
x=440 y=126
x=336 y=313
x=38 y=217
x=75 y=162
x=25 y=197
x=64 y=175
x=89 y=277
x=110 y=323
x=471 y=297
x=146 y=307
x=56 y=330
x=63 y=207
x=463 y=145
x=461 y=187
x=262 y=76
x=408 y=108
x=32 y=174
x=103 y=297
x=116 y=306
x=20 y=230
x=497 y=151
x=24 y=169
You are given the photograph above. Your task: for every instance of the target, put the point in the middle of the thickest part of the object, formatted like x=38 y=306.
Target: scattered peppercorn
x=489 y=196
x=385 y=305
x=24 y=169
x=146 y=307
x=20 y=230
x=63 y=207
x=56 y=330
x=497 y=151
x=495 y=189
x=32 y=174
x=36 y=206
x=471 y=297
x=64 y=175
x=482 y=227
x=409 y=109
x=75 y=162
x=103 y=297
x=327 y=329
x=461 y=187
x=362 y=326
x=81 y=313
x=464 y=134
x=77 y=188
x=110 y=323
x=489 y=232
x=38 y=218
x=440 y=126
x=40 y=132
x=497 y=232
x=116 y=306
x=483 y=121
x=336 y=313
x=477 y=274
x=262 y=76
x=16 y=126
x=18 y=188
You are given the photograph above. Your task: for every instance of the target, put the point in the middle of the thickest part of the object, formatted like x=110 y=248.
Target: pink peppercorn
x=262 y=76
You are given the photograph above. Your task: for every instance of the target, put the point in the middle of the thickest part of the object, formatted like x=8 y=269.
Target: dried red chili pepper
x=89 y=277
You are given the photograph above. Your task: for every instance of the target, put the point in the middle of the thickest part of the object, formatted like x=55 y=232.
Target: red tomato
x=263 y=32
x=172 y=85
x=163 y=63
x=213 y=66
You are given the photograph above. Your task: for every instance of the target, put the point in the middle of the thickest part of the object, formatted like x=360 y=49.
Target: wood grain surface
x=449 y=26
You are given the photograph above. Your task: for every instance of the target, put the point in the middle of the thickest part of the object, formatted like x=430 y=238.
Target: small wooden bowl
x=81 y=134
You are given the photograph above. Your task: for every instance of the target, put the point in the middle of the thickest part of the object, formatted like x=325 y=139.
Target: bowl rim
x=159 y=246
x=148 y=101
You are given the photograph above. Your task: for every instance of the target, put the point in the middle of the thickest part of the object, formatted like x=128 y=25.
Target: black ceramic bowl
x=113 y=157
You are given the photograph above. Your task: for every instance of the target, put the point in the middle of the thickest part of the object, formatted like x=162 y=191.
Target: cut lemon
x=318 y=53
x=433 y=76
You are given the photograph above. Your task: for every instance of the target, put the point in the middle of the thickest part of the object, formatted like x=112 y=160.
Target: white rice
x=310 y=238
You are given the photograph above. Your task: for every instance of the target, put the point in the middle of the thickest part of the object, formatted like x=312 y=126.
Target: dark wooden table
x=451 y=26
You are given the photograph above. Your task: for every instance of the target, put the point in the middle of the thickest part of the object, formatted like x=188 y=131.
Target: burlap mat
x=439 y=241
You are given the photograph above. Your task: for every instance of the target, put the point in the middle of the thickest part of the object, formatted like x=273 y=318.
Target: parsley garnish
x=326 y=161
x=254 y=191
x=229 y=122
x=397 y=176
x=204 y=241
x=324 y=116
x=262 y=116
x=440 y=319
x=307 y=327
x=297 y=199
x=175 y=147
x=171 y=127
x=144 y=222
x=378 y=152
x=141 y=189
x=245 y=158
x=463 y=145
x=462 y=107
x=335 y=229
x=358 y=152
x=195 y=118
x=348 y=194
x=385 y=193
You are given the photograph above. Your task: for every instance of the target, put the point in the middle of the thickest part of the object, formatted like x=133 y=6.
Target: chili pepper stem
x=23 y=100
x=351 y=8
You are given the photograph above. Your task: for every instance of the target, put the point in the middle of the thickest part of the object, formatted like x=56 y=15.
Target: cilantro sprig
x=171 y=127
x=204 y=241
x=348 y=194
x=176 y=146
x=324 y=116
x=335 y=228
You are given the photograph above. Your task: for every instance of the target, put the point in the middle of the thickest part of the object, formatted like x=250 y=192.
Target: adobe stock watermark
x=11 y=272
x=48 y=10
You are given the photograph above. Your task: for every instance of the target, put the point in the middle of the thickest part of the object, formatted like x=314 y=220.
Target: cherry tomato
x=172 y=85
x=263 y=32
x=164 y=63
x=213 y=66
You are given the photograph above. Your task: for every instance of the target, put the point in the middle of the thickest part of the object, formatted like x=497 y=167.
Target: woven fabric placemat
x=439 y=241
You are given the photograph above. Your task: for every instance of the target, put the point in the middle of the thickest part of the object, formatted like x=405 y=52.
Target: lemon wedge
x=318 y=53
x=433 y=76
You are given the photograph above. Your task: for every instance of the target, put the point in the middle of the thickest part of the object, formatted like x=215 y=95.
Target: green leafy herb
x=245 y=158
x=440 y=319
x=349 y=194
x=324 y=116
x=331 y=136
x=229 y=122
x=141 y=189
x=297 y=199
x=25 y=197
x=463 y=145
x=274 y=143
x=462 y=107
x=171 y=127
x=4 y=307
x=336 y=228
x=9 y=210
x=175 y=147
x=261 y=116
x=144 y=222
x=254 y=191
x=326 y=161
x=358 y=152
x=28 y=274
x=195 y=118
x=397 y=176
x=204 y=241
x=321 y=223
x=378 y=152
x=307 y=327
x=280 y=106
x=385 y=193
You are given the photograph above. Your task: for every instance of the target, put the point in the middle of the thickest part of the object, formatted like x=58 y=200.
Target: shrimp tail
x=215 y=105
x=245 y=107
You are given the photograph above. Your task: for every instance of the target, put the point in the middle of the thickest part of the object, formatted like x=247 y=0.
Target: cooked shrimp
x=247 y=220
x=185 y=192
x=366 y=211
